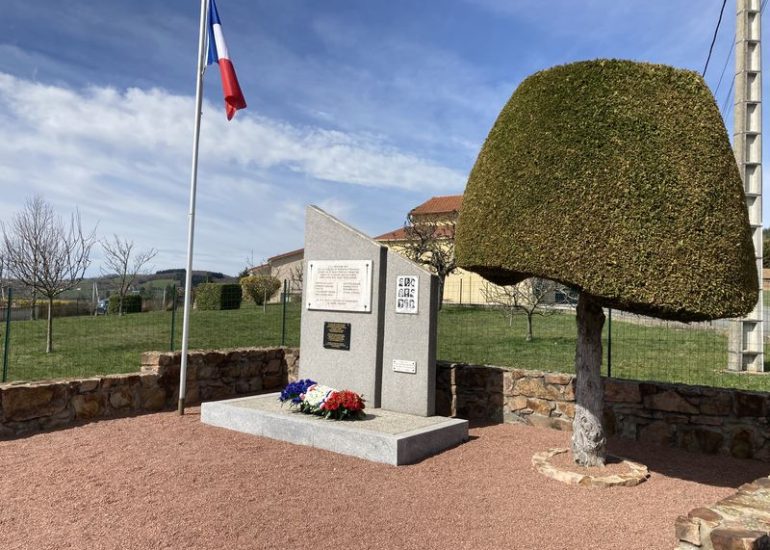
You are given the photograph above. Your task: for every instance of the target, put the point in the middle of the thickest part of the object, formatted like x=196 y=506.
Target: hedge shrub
x=132 y=303
x=616 y=178
x=259 y=288
x=218 y=296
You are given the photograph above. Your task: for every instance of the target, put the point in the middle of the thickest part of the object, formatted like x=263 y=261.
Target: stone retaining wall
x=211 y=375
x=740 y=521
x=709 y=420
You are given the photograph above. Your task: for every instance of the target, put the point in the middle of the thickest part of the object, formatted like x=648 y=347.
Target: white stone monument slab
x=409 y=347
x=344 y=294
x=339 y=285
x=369 y=321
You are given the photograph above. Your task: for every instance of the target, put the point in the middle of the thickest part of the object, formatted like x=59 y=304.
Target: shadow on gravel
x=714 y=470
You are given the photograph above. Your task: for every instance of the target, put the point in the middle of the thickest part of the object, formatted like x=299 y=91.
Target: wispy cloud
x=123 y=156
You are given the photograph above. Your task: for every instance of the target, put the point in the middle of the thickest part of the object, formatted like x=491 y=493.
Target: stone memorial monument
x=368 y=325
x=409 y=342
x=369 y=318
x=343 y=307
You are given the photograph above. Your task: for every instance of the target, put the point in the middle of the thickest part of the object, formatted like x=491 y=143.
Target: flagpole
x=191 y=213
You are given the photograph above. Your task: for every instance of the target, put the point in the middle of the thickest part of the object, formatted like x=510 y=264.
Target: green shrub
x=132 y=303
x=616 y=178
x=260 y=288
x=218 y=296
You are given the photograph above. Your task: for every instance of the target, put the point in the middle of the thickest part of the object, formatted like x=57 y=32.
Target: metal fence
x=471 y=329
x=476 y=329
x=89 y=340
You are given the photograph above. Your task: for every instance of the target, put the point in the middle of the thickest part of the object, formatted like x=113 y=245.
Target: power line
x=727 y=99
x=714 y=39
x=724 y=67
x=732 y=84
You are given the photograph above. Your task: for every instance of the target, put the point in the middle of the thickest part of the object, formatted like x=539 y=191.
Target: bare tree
x=45 y=254
x=122 y=261
x=295 y=280
x=431 y=243
x=528 y=297
x=2 y=278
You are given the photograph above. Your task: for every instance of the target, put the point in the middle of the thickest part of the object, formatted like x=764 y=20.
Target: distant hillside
x=146 y=284
x=197 y=277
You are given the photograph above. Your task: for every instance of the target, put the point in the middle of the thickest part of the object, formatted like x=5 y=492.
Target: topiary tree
x=215 y=296
x=118 y=305
x=615 y=178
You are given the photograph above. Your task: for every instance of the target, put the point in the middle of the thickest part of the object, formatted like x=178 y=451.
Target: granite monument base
x=384 y=436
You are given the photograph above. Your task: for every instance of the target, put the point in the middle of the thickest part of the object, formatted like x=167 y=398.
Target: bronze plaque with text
x=336 y=335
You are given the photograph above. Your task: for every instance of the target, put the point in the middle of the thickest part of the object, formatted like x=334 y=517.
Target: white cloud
x=137 y=122
x=123 y=157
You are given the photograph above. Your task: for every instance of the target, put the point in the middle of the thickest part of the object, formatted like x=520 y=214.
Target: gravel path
x=161 y=481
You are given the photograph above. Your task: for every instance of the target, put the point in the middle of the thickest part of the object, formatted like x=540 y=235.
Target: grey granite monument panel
x=359 y=367
x=409 y=347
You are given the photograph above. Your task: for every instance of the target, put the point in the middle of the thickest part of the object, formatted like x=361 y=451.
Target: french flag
x=218 y=54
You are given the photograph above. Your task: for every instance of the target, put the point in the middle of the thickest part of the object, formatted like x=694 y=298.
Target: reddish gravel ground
x=161 y=481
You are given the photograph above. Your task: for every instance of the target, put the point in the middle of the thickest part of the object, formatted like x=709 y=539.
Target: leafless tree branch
x=431 y=243
x=125 y=263
x=528 y=297
x=45 y=254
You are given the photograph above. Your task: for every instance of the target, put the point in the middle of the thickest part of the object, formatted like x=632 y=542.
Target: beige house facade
x=460 y=287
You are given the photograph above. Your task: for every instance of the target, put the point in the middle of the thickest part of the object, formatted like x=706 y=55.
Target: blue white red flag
x=218 y=54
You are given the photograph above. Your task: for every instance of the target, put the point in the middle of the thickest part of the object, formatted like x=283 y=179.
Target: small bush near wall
x=132 y=303
x=218 y=296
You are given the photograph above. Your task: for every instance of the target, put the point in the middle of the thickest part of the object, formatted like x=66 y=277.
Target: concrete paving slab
x=384 y=436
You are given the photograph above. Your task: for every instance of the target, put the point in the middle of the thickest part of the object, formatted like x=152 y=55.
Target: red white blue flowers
x=312 y=398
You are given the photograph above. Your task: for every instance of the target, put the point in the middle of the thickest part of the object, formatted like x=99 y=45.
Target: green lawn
x=111 y=344
x=640 y=352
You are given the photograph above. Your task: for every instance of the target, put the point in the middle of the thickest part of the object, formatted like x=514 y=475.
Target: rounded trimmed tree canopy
x=616 y=178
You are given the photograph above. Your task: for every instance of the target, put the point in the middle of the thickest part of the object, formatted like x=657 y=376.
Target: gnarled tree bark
x=588 y=440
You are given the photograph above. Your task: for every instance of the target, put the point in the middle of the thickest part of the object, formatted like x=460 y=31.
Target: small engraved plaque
x=401 y=365
x=337 y=335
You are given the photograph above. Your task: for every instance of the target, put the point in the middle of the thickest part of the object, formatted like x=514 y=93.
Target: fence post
x=7 y=340
x=173 y=317
x=609 y=343
x=283 y=314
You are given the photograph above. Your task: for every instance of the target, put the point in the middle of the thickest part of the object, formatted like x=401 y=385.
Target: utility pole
x=746 y=342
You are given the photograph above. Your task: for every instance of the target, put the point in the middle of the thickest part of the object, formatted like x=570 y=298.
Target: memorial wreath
x=313 y=398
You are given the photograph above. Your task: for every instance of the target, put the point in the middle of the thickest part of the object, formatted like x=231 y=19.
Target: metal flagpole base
x=180 y=408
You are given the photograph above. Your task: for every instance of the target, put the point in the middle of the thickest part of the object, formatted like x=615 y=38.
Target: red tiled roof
x=401 y=235
x=395 y=235
x=286 y=254
x=440 y=205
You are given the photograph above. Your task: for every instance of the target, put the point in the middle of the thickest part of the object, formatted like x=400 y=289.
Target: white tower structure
x=746 y=345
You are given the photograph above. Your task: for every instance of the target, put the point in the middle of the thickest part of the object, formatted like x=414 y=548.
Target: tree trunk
x=529 y=326
x=588 y=441
x=441 y=279
x=49 y=333
x=33 y=313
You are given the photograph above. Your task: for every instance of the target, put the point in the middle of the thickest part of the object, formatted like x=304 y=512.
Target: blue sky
x=363 y=108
